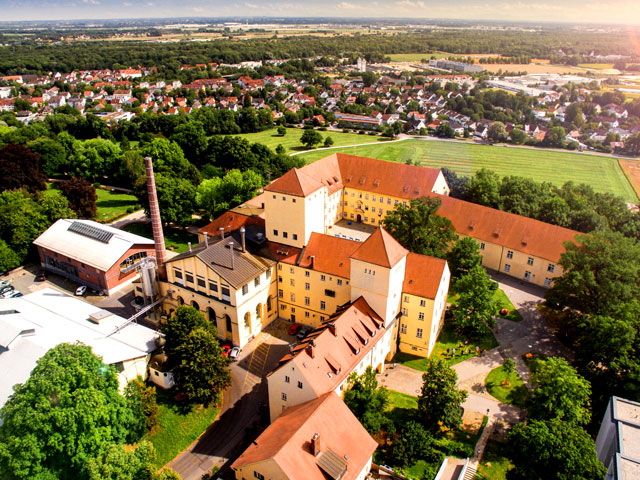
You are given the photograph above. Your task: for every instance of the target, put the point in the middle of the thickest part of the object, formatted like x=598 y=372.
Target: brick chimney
x=332 y=329
x=156 y=221
x=316 y=446
x=310 y=349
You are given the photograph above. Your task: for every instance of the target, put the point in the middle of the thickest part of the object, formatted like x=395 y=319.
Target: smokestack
x=242 y=235
x=316 y=447
x=156 y=221
x=189 y=243
x=206 y=239
x=221 y=232
x=232 y=255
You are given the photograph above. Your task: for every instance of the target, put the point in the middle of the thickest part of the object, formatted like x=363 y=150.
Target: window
x=293 y=200
x=373 y=198
x=395 y=202
x=421 y=316
x=306 y=314
x=285 y=235
x=481 y=246
x=292 y=282
x=268 y=304
x=406 y=299
x=284 y=199
x=306 y=273
x=509 y=253
x=551 y=268
x=530 y=261
x=299 y=384
x=268 y=274
x=527 y=275
x=307 y=286
x=177 y=273
x=404 y=312
x=307 y=301
x=228 y=323
x=329 y=293
x=287 y=379
x=381 y=199
x=274 y=196
x=547 y=282
x=280 y=278
x=245 y=289
x=188 y=276
x=323 y=278
x=366 y=197
x=280 y=294
x=225 y=293
x=339 y=282
x=259 y=476
x=201 y=282
x=291 y=270
x=213 y=287
x=323 y=305
x=403 y=328
x=275 y=232
x=507 y=267
x=293 y=297
x=419 y=333
x=256 y=281
x=295 y=236
x=423 y=303
x=279 y=266
x=284 y=396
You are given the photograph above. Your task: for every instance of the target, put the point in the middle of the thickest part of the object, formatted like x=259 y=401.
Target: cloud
x=348 y=6
x=409 y=4
x=251 y=5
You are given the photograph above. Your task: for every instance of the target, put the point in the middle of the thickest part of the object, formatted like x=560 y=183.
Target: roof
x=512 y=231
x=331 y=254
x=357 y=329
x=75 y=239
x=230 y=221
x=380 y=249
x=288 y=441
x=326 y=171
x=423 y=275
x=32 y=324
x=294 y=182
x=217 y=255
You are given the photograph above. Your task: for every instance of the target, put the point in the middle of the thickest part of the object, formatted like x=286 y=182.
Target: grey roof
x=217 y=256
x=89 y=242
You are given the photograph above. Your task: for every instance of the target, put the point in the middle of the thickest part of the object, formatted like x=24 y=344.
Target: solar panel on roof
x=90 y=231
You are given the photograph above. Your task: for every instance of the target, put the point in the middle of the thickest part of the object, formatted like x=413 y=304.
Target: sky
x=578 y=11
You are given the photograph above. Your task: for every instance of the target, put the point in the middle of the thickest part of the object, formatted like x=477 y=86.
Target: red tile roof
x=380 y=249
x=509 y=230
x=331 y=254
x=288 y=440
x=230 y=221
x=294 y=182
x=422 y=275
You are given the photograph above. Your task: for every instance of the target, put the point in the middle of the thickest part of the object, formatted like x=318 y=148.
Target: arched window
x=247 y=320
x=227 y=319
x=195 y=305
x=180 y=300
x=212 y=315
x=259 y=311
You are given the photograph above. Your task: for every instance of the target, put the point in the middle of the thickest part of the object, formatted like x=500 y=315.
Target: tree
x=310 y=138
x=555 y=137
x=192 y=139
x=484 y=188
x=118 y=462
x=458 y=185
x=81 y=195
x=201 y=368
x=509 y=367
x=559 y=392
x=439 y=403
x=53 y=159
x=632 y=145
x=217 y=195
x=517 y=136
x=168 y=159
x=444 y=130
x=475 y=307
x=413 y=443
x=328 y=142
x=463 y=256
x=142 y=398
x=184 y=320
x=600 y=273
x=497 y=132
x=8 y=258
x=367 y=402
x=560 y=450
x=67 y=412
x=419 y=228
x=282 y=131
x=176 y=197
x=20 y=168
x=521 y=195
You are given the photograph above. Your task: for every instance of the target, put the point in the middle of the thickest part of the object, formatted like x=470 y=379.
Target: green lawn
x=291 y=141
x=494 y=465
x=113 y=204
x=602 y=172
x=174 y=239
x=401 y=407
x=503 y=302
x=416 y=57
x=514 y=393
x=177 y=429
x=448 y=339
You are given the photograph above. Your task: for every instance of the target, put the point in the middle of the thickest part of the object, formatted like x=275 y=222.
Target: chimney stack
x=206 y=239
x=232 y=255
x=316 y=446
x=189 y=243
x=242 y=235
x=221 y=232
x=156 y=221
x=332 y=329
x=310 y=347
x=313 y=261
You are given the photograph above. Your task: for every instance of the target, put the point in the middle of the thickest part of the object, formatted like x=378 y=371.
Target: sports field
x=603 y=173
x=291 y=141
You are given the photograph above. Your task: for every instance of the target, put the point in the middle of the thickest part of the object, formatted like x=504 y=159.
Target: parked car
x=5 y=283
x=233 y=354
x=225 y=350
x=15 y=294
x=6 y=288
x=41 y=276
x=8 y=293
x=303 y=333
x=81 y=290
x=295 y=328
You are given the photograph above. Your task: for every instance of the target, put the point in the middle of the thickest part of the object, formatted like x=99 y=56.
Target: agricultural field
x=597 y=66
x=632 y=169
x=291 y=141
x=532 y=68
x=602 y=172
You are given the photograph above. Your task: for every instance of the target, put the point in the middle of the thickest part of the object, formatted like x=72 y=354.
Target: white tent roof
x=63 y=237
x=31 y=325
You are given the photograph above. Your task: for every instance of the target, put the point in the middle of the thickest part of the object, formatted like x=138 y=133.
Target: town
x=320 y=267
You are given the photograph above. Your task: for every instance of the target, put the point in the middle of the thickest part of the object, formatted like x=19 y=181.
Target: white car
x=233 y=354
x=81 y=290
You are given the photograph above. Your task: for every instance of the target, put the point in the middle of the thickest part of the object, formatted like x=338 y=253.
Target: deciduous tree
x=20 y=168
x=475 y=307
x=81 y=195
x=440 y=400
x=367 y=402
x=463 y=256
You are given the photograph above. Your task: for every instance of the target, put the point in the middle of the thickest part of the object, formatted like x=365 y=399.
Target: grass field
x=291 y=141
x=174 y=239
x=602 y=172
x=632 y=170
x=596 y=66
x=503 y=302
x=113 y=204
x=177 y=429
x=513 y=393
x=494 y=465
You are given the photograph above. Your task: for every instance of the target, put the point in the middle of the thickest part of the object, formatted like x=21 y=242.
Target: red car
x=293 y=329
x=225 y=350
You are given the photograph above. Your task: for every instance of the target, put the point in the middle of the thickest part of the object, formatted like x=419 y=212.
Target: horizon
x=618 y=12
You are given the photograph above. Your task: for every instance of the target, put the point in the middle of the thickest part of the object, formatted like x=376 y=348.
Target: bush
x=345 y=130
x=372 y=133
x=361 y=132
x=453 y=448
x=129 y=210
x=323 y=129
x=96 y=185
